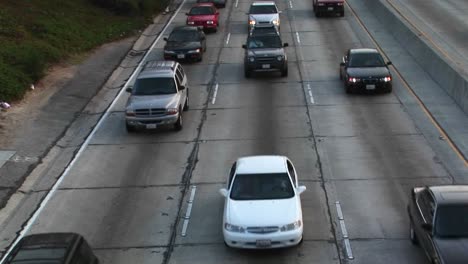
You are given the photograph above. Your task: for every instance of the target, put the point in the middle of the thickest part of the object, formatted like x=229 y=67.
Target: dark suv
x=59 y=248
x=264 y=51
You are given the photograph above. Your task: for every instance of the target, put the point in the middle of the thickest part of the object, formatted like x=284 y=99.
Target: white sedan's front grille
x=262 y=229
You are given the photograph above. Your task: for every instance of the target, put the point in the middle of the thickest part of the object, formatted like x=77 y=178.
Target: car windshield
x=261 y=186
x=154 y=86
x=262 y=9
x=452 y=221
x=183 y=36
x=366 y=60
x=264 y=42
x=201 y=10
x=40 y=255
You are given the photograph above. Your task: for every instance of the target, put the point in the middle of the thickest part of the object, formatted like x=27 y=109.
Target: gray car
x=264 y=51
x=263 y=12
x=159 y=96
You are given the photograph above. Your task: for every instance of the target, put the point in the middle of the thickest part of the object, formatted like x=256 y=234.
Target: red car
x=205 y=15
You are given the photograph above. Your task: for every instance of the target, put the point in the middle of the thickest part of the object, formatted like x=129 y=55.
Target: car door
x=343 y=67
x=426 y=207
x=202 y=39
x=292 y=173
x=183 y=81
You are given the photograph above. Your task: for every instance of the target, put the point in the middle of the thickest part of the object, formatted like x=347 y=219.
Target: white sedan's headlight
x=292 y=226
x=234 y=228
x=194 y=51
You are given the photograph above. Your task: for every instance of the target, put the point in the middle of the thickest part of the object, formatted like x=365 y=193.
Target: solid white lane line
x=228 y=38
x=213 y=100
x=298 y=38
x=290 y=4
x=309 y=89
x=344 y=231
x=189 y=210
x=54 y=188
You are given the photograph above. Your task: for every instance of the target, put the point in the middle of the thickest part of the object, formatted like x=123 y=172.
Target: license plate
x=263 y=243
x=266 y=66
x=330 y=9
x=181 y=56
x=151 y=126
x=370 y=86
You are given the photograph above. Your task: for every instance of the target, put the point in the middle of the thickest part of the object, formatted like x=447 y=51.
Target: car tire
x=348 y=88
x=342 y=14
x=284 y=73
x=247 y=73
x=413 y=237
x=130 y=129
x=389 y=89
x=179 y=124
x=341 y=75
x=186 y=105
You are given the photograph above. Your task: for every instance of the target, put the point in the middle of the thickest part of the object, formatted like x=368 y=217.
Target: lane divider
x=237 y=3
x=85 y=144
x=309 y=89
x=189 y=210
x=215 y=93
x=298 y=38
x=228 y=38
x=344 y=231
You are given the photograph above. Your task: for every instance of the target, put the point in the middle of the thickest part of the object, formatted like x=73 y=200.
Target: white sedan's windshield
x=262 y=187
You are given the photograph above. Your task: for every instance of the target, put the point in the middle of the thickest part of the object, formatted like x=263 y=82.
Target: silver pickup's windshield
x=263 y=9
x=366 y=60
x=262 y=186
x=264 y=42
x=154 y=86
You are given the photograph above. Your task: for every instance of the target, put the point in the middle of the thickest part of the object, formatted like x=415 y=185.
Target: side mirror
x=389 y=63
x=244 y=46
x=427 y=227
x=342 y=64
x=223 y=192
x=301 y=189
x=165 y=39
x=285 y=45
x=129 y=89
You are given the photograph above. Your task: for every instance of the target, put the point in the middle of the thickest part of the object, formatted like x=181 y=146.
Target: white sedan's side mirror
x=223 y=192
x=301 y=189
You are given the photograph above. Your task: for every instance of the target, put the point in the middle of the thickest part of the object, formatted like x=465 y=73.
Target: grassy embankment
x=34 y=34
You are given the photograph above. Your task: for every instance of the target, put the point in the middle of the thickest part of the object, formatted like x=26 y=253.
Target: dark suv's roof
x=450 y=194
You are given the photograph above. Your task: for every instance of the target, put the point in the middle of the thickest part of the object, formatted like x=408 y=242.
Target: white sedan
x=262 y=207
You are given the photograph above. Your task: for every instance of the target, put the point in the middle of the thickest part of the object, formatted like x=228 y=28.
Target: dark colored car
x=365 y=70
x=439 y=222
x=52 y=248
x=264 y=51
x=185 y=43
x=322 y=7
x=217 y=3
x=205 y=15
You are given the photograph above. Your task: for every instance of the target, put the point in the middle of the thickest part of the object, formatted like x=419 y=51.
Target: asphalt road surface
x=358 y=155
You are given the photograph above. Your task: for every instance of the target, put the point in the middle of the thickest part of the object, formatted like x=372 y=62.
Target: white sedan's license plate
x=151 y=126
x=266 y=66
x=370 y=87
x=330 y=9
x=263 y=243
x=181 y=56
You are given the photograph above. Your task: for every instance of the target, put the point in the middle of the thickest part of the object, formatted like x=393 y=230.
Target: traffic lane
x=383 y=251
x=149 y=255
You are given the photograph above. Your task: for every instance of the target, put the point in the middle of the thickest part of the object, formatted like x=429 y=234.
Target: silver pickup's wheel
x=186 y=106
x=179 y=124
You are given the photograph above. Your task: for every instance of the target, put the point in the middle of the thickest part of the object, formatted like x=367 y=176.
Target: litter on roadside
x=4 y=105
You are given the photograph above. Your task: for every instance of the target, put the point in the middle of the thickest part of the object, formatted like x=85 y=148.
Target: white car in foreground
x=262 y=207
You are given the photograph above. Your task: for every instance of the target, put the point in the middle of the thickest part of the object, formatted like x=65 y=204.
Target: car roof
x=450 y=194
x=156 y=68
x=261 y=164
x=49 y=239
x=260 y=3
x=365 y=50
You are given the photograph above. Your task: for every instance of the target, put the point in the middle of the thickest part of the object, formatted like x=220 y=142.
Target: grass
x=34 y=34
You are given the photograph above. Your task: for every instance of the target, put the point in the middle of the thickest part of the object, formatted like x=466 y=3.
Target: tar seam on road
x=189 y=211
x=54 y=188
x=312 y=101
x=228 y=37
x=215 y=93
x=349 y=252
x=418 y=100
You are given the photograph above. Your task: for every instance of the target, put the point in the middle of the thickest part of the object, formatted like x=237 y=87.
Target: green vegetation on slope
x=36 y=33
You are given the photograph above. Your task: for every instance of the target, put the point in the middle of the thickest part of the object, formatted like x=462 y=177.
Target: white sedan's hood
x=263 y=212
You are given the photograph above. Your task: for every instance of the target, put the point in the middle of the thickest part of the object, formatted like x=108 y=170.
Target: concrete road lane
x=130 y=194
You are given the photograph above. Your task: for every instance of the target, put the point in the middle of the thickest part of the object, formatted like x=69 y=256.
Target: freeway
x=358 y=155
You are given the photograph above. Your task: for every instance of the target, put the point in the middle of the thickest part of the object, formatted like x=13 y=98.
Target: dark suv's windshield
x=154 y=86
x=262 y=9
x=183 y=36
x=452 y=221
x=264 y=42
x=366 y=60
x=201 y=10
x=262 y=186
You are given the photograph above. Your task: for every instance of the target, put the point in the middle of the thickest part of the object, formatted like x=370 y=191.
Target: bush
x=132 y=7
x=13 y=83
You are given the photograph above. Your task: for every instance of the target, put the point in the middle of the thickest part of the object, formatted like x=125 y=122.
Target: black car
x=185 y=43
x=59 y=248
x=217 y=3
x=365 y=70
x=439 y=222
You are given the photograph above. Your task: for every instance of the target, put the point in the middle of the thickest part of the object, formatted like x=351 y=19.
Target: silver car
x=159 y=96
x=263 y=12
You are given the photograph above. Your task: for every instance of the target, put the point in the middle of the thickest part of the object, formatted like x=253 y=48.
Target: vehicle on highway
x=217 y=3
x=158 y=97
x=262 y=206
x=57 y=248
x=322 y=7
x=439 y=222
x=263 y=12
x=365 y=70
x=187 y=43
x=264 y=51
x=205 y=15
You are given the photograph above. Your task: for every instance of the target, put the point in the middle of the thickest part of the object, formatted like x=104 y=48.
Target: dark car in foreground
x=217 y=3
x=264 y=51
x=52 y=248
x=185 y=43
x=439 y=222
x=365 y=70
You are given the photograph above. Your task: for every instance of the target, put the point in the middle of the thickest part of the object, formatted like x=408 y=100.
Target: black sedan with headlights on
x=186 y=43
x=365 y=70
x=438 y=218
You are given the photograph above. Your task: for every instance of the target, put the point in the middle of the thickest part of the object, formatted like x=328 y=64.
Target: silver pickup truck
x=158 y=97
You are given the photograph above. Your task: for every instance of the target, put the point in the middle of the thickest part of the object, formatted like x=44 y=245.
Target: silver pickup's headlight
x=129 y=112
x=234 y=228
x=292 y=226
x=194 y=51
x=172 y=111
